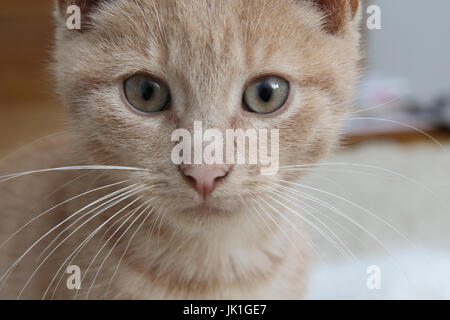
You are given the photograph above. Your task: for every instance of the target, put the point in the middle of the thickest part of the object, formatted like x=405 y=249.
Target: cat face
x=202 y=57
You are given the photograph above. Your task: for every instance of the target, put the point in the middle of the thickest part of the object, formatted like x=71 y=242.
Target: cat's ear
x=338 y=13
x=63 y=8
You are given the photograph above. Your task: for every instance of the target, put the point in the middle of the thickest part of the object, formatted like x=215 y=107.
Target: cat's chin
x=206 y=209
x=190 y=204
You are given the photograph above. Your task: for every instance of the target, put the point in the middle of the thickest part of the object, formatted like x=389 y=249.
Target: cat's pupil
x=147 y=90
x=265 y=91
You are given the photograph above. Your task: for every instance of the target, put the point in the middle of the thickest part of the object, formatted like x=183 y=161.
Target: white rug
x=404 y=252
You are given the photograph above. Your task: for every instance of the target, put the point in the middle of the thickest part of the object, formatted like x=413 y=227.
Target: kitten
x=136 y=71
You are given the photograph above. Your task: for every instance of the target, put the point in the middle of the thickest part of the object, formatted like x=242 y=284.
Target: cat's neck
x=222 y=259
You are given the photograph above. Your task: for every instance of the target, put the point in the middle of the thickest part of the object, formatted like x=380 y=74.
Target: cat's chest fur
x=156 y=262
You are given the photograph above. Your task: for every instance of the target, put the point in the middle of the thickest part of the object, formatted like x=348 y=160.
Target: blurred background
x=400 y=123
x=28 y=107
x=406 y=69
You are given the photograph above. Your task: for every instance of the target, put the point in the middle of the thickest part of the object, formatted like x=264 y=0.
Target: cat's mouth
x=205 y=208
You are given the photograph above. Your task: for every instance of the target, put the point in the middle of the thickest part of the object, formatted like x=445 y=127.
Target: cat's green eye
x=146 y=94
x=266 y=95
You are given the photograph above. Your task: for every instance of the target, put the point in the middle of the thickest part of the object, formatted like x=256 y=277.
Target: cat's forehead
x=208 y=37
x=206 y=26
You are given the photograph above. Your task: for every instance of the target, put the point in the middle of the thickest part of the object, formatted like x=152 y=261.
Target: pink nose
x=205 y=177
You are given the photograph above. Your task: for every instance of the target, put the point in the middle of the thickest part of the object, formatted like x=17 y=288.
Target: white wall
x=414 y=43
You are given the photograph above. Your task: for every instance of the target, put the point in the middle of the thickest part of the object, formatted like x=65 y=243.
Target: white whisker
x=133 y=192
x=366 y=166
x=57 y=226
x=284 y=218
x=126 y=249
x=342 y=245
x=341 y=214
x=114 y=199
x=68 y=183
x=106 y=242
x=364 y=173
x=73 y=168
x=58 y=205
x=313 y=247
x=404 y=125
x=84 y=243
x=313 y=225
x=262 y=219
x=352 y=204
x=111 y=250
x=377 y=106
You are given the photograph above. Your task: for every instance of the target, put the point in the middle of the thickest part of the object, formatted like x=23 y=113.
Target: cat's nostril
x=204 y=177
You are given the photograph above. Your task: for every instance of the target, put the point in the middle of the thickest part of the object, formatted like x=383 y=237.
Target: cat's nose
x=205 y=177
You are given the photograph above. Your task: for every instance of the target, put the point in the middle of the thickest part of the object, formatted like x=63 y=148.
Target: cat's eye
x=266 y=95
x=146 y=94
